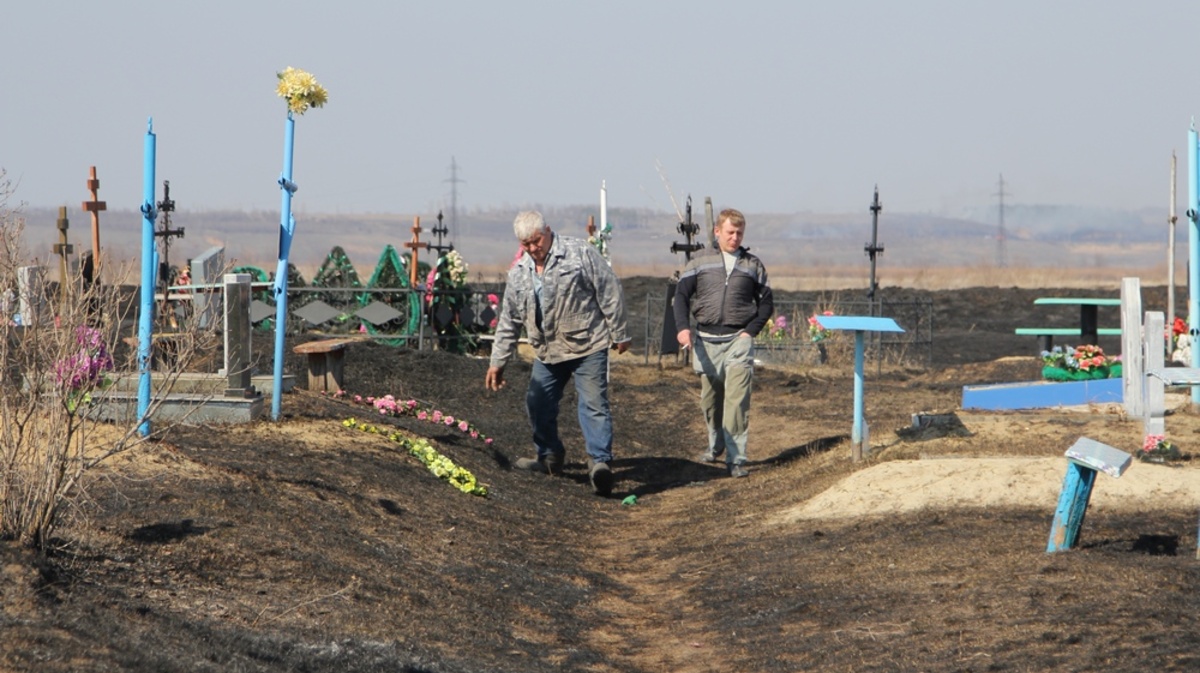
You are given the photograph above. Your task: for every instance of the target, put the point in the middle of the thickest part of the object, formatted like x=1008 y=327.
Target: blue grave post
x=287 y=227
x=301 y=91
x=1084 y=459
x=859 y=325
x=149 y=266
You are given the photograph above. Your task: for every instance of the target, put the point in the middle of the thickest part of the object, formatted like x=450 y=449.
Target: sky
x=766 y=106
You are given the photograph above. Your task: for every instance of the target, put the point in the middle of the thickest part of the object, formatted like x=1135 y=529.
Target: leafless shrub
x=59 y=360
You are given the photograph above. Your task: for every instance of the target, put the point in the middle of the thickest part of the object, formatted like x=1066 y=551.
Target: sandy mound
x=906 y=485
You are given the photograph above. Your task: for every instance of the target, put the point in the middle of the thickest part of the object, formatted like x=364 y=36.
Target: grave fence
x=790 y=342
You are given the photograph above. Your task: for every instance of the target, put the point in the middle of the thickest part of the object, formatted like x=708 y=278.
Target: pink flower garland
x=388 y=405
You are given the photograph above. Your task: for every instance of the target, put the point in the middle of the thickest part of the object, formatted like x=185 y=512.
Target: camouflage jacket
x=583 y=310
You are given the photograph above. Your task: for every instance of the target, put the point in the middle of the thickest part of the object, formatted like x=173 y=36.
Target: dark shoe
x=738 y=471
x=601 y=477
x=545 y=465
x=711 y=456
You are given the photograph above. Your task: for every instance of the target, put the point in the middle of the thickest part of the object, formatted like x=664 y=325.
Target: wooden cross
x=414 y=245
x=63 y=249
x=94 y=207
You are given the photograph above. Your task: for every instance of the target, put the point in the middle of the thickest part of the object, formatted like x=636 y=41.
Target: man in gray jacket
x=569 y=302
x=727 y=294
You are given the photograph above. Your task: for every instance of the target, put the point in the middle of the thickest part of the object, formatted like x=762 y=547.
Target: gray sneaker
x=546 y=465
x=601 y=477
x=711 y=455
x=738 y=471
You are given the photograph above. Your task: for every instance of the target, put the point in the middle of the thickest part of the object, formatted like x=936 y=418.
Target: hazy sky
x=765 y=106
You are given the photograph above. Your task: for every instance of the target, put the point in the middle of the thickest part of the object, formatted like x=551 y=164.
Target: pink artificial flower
x=488 y=440
x=422 y=415
x=358 y=398
x=449 y=420
x=464 y=426
x=493 y=299
x=437 y=416
x=474 y=434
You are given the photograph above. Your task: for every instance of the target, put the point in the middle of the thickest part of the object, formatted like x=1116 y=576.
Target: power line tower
x=1001 y=235
x=454 y=180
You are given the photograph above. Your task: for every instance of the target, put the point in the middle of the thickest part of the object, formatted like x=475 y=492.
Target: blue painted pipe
x=287 y=227
x=146 y=312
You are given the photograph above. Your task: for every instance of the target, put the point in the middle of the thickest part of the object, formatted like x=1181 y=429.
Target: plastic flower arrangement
x=456 y=269
x=815 y=331
x=390 y=406
x=441 y=466
x=1157 y=448
x=77 y=375
x=301 y=90
x=777 y=329
x=1066 y=363
x=494 y=302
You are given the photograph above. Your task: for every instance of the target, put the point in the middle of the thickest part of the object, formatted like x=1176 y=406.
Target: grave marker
x=440 y=230
x=859 y=325
x=1084 y=459
x=63 y=249
x=94 y=207
x=415 y=244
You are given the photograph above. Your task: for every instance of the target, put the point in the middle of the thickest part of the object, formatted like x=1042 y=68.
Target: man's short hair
x=735 y=217
x=527 y=224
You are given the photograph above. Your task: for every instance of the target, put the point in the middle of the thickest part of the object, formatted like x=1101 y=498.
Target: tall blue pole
x=146 y=312
x=1193 y=211
x=287 y=227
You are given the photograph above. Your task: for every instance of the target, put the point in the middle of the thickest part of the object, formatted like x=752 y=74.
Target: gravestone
x=237 y=335
x=207 y=270
x=31 y=295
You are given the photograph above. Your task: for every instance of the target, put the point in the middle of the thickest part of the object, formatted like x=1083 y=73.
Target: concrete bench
x=326 y=362
x=1046 y=335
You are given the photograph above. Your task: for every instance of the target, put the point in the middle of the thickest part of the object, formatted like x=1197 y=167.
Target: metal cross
x=415 y=244
x=689 y=229
x=165 y=208
x=440 y=231
x=873 y=248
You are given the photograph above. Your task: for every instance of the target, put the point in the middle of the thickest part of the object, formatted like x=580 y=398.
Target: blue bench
x=1088 y=332
x=1046 y=335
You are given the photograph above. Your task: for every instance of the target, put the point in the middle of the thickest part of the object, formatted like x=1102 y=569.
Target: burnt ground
x=301 y=545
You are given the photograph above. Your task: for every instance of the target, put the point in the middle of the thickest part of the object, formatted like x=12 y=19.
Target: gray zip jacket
x=724 y=305
x=582 y=307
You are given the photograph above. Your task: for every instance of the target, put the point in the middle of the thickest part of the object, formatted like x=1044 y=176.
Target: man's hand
x=494 y=379
x=622 y=346
x=684 y=337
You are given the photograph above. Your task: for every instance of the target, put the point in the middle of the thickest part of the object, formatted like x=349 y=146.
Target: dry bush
x=58 y=359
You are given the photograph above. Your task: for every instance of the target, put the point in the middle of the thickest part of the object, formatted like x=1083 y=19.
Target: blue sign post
x=149 y=266
x=859 y=325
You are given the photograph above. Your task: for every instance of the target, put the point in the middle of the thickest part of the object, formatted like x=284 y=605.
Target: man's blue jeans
x=546 y=387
